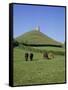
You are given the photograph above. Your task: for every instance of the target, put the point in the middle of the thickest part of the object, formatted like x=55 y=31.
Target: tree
x=15 y=43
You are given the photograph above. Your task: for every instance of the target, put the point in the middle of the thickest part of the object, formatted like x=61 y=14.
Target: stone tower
x=37 y=28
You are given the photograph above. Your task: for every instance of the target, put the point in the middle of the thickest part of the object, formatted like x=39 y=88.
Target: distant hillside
x=36 y=37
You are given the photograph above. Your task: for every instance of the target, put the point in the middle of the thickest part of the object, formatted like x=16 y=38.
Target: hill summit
x=36 y=37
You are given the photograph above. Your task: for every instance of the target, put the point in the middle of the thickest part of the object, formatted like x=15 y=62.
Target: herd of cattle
x=29 y=55
x=46 y=55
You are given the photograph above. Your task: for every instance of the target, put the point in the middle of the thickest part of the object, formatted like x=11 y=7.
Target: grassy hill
x=40 y=70
x=36 y=37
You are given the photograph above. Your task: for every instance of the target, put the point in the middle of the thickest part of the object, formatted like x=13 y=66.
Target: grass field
x=38 y=71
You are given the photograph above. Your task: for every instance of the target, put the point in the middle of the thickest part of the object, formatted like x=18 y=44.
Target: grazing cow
x=49 y=55
x=31 y=56
x=45 y=55
x=26 y=56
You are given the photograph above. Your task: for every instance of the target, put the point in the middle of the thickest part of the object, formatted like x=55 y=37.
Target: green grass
x=43 y=49
x=50 y=48
x=36 y=37
x=38 y=71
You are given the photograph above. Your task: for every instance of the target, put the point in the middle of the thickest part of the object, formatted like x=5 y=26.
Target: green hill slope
x=36 y=37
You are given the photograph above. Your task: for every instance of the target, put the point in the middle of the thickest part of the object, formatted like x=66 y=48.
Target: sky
x=51 y=20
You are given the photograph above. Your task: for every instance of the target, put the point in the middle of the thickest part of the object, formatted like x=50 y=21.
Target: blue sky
x=50 y=19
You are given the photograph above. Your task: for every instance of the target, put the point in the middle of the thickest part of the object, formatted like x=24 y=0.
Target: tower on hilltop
x=37 y=28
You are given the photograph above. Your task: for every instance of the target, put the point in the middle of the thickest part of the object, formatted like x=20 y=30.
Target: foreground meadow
x=38 y=71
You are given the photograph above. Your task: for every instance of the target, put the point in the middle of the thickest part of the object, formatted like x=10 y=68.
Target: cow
x=31 y=56
x=26 y=56
x=45 y=55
